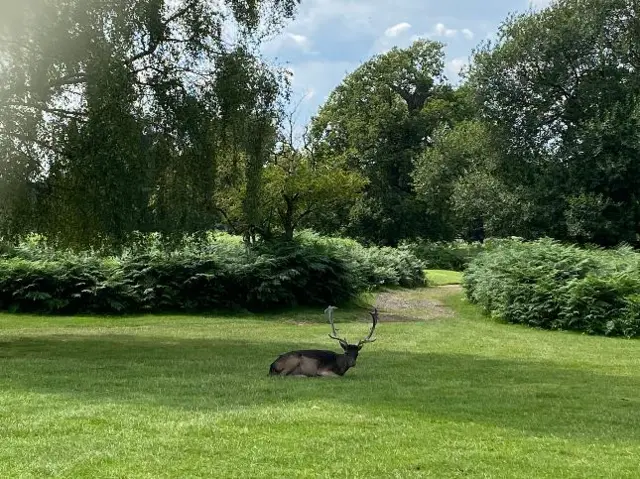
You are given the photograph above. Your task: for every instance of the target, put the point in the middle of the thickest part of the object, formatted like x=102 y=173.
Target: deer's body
x=319 y=362
x=312 y=362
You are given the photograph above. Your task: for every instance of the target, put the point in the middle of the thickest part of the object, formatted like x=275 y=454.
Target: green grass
x=185 y=397
x=442 y=277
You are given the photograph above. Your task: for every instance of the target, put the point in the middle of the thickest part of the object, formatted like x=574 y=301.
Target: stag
x=318 y=362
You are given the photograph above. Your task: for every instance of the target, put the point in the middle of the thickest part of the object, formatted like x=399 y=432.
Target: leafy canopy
x=560 y=92
x=375 y=122
x=117 y=116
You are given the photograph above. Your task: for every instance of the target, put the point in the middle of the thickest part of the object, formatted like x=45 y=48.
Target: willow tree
x=115 y=116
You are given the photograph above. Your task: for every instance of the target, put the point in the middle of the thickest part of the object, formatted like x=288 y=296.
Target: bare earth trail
x=415 y=305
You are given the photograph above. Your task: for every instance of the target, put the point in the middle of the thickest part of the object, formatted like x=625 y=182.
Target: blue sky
x=330 y=38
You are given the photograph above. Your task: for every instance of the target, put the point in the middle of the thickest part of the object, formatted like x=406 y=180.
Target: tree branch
x=155 y=44
x=74 y=79
x=304 y=214
x=234 y=229
x=28 y=139
x=44 y=108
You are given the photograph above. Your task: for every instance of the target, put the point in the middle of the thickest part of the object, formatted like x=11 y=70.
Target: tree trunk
x=287 y=221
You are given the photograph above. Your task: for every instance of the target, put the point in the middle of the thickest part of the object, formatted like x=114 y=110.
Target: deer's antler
x=334 y=333
x=374 y=317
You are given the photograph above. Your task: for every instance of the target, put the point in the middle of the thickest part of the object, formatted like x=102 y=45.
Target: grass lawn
x=186 y=397
x=441 y=277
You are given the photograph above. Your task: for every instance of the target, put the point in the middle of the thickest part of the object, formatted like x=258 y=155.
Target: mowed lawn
x=441 y=277
x=187 y=396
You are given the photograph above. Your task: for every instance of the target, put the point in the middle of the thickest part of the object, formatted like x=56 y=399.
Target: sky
x=330 y=38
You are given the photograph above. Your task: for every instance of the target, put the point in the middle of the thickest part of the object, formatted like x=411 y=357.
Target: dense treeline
x=541 y=139
x=150 y=116
x=135 y=116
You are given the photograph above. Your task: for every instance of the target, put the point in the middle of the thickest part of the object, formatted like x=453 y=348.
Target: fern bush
x=371 y=266
x=549 y=285
x=453 y=255
x=213 y=272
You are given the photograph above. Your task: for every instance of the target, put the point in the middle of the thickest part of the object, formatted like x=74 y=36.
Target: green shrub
x=453 y=256
x=206 y=273
x=371 y=266
x=553 y=286
x=64 y=285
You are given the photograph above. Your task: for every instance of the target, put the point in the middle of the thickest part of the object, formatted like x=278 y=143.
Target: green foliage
x=375 y=122
x=371 y=266
x=453 y=255
x=297 y=189
x=457 y=179
x=127 y=116
x=559 y=94
x=118 y=117
x=198 y=274
x=549 y=285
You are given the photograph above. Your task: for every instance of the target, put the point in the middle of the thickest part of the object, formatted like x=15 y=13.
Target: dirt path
x=415 y=305
x=405 y=305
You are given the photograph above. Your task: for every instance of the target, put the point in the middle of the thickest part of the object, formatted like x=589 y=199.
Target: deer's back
x=323 y=357
x=303 y=361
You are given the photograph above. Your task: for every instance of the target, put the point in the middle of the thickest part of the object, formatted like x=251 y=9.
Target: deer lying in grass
x=317 y=362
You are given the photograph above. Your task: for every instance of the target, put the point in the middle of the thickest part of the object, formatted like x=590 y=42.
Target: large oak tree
x=376 y=122
x=560 y=92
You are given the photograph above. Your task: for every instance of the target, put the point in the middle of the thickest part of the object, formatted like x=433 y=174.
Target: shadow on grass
x=533 y=397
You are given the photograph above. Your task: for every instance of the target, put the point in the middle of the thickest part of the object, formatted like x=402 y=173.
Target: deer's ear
x=344 y=346
x=360 y=347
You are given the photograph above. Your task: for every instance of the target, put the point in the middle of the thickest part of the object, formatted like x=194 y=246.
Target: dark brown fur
x=315 y=362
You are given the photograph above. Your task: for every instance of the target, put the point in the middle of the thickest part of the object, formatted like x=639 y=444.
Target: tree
x=298 y=189
x=559 y=90
x=376 y=122
x=456 y=178
x=251 y=116
x=116 y=116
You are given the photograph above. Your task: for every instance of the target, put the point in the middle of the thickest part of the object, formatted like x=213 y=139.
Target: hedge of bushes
x=549 y=285
x=217 y=272
x=453 y=255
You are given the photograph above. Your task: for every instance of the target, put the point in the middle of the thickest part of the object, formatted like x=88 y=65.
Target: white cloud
x=310 y=93
x=300 y=40
x=314 y=15
x=440 y=30
x=396 y=30
x=540 y=3
x=286 y=41
x=349 y=19
x=392 y=37
x=454 y=66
